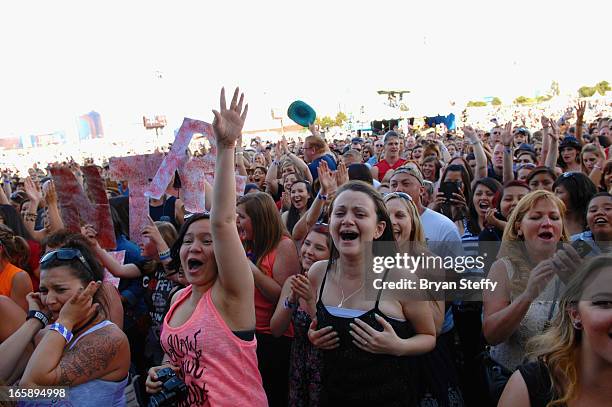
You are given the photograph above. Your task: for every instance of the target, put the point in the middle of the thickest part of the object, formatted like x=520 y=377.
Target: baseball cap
x=570 y=141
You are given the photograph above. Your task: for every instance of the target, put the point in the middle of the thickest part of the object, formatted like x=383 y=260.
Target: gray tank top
x=95 y=393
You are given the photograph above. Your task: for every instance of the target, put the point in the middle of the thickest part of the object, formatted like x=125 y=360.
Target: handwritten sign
x=177 y=156
x=137 y=170
x=77 y=208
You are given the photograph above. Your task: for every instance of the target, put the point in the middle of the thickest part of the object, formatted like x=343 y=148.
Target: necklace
x=342 y=291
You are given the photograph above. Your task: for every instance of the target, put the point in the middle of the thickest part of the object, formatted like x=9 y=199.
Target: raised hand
x=545 y=122
x=90 y=234
x=49 y=192
x=326 y=178
x=469 y=132
x=228 y=123
x=580 y=109
x=31 y=191
x=506 y=134
x=80 y=307
x=342 y=176
x=151 y=232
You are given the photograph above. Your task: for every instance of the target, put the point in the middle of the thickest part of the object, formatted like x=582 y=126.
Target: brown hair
x=169 y=234
x=268 y=227
x=16 y=249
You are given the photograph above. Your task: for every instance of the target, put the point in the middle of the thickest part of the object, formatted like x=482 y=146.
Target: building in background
x=90 y=126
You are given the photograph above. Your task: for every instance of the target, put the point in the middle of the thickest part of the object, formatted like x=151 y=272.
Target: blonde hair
x=417 y=234
x=516 y=253
x=557 y=346
x=590 y=148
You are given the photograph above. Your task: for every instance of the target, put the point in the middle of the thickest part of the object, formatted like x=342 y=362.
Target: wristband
x=473 y=143
x=508 y=150
x=289 y=305
x=322 y=197
x=62 y=330
x=164 y=255
x=38 y=315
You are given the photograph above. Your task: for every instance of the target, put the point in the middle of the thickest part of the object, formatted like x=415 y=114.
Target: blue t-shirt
x=315 y=164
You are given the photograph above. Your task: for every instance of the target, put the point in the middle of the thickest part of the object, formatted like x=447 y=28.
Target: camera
x=173 y=389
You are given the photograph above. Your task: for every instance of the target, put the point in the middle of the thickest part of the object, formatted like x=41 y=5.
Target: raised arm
x=113 y=266
x=553 y=145
x=508 y=141
x=479 y=153
x=235 y=275
x=580 y=109
x=30 y=217
x=55 y=220
x=328 y=188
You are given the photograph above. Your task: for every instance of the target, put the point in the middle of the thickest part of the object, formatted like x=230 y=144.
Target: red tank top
x=264 y=309
x=218 y=368
x=383 y=166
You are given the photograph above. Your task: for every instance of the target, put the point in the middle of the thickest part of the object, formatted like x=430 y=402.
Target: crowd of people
x=264 y=299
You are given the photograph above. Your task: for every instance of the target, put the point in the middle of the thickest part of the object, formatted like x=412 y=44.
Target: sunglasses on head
x=65 y=254
x=402 y=195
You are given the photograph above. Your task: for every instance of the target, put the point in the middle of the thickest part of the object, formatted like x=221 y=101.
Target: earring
x=578 y=325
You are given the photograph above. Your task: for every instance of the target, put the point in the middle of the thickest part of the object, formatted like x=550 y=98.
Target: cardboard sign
x=77 y=208
x=108 y=277
x=137 y=170
x=177 y=156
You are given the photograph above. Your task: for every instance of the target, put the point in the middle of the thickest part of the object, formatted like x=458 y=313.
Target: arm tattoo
x=89 y=357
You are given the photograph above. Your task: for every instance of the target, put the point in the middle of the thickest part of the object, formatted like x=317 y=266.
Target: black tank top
x=357 y=378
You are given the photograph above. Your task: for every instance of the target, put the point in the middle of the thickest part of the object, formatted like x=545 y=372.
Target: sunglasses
x=402 y=195
x=320 y=227
x=65 y=254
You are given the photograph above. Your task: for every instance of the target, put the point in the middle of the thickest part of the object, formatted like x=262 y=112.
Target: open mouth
x=349 y=235
x=601 y=220
x=484 y=205
x=193 y=264
x=545 y=235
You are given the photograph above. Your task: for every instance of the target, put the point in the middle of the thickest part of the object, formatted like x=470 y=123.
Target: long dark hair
x=495 y=187
x=79 y=270
x=294 y=215
x=580 y=189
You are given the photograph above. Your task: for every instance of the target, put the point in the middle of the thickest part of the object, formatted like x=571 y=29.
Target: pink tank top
x=218 y=368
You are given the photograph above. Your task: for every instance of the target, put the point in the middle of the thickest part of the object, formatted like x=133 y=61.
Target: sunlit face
x=299 y=195
x=259 y=177
x=452 y=150
x=524 y=158
x=541 y=181
x=401 y=221
x=429 y=171
x=379 y=146
x=417 y=153
x=365 y=155
x=542 y=225
x=314 y=248
x=595 y=314
x=24 y=208
x=599 y=218
x=495 y=136
x=57 y=286
x=407 y=183
x=511 y=198
x=353 y=222
x=569 y=154
x=410 y=142
x=289 y=180
x=563 y=195
x=392 y=146
x=196 y=253
x=520 y=137
x=483 y=199
x=244 y=224
x=309 y=152
x=589 y=160
x=259 y=160
x=498 y=156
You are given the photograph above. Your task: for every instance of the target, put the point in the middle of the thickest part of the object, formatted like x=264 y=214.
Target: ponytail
x=16 y=249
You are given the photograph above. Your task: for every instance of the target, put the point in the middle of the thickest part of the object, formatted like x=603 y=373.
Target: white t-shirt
x=441 y=234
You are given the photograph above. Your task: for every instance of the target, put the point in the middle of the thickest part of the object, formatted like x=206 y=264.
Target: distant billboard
x=90 y=126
